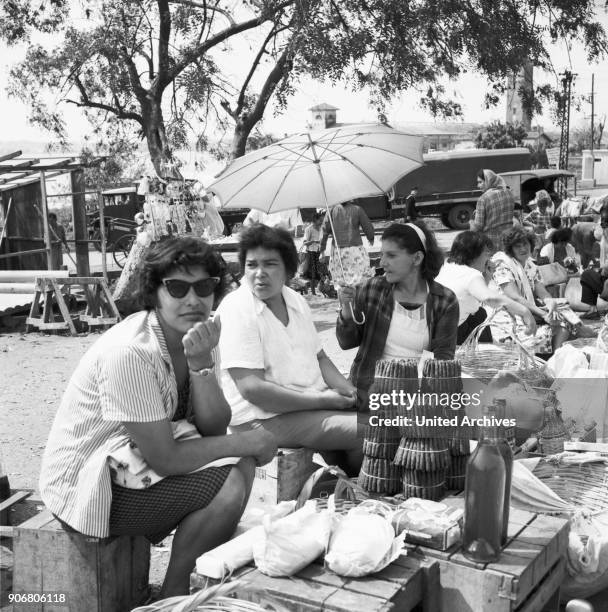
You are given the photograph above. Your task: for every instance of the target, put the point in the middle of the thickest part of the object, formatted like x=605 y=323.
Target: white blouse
x=408 y=334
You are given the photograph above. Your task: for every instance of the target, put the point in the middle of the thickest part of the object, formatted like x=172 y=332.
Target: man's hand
x=199 y=341
x=261 y=445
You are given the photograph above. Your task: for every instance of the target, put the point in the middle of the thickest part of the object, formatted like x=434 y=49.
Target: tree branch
x=254 y=65
x=221 y=36
x=117 y=110
x=164 y=33
x=273 y=79
x=205 y=7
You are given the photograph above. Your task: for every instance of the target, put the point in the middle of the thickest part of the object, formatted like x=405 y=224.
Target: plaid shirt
x=494 y=214
x=541 y=220
x=375 y=299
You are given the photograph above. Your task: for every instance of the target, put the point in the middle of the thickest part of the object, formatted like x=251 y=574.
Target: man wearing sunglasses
x=139 y=445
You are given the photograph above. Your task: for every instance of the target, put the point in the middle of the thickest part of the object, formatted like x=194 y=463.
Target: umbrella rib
x=295 y=161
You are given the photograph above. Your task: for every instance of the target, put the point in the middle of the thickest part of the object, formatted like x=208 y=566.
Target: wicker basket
x=484 y=361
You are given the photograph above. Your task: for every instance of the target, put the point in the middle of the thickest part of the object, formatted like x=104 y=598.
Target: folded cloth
x=128 y=467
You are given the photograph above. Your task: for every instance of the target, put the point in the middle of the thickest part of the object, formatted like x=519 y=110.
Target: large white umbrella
x=320 y=169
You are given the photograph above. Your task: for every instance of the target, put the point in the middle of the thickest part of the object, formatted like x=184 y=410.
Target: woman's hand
x=346 y=296
x=335 y=400
x=199 y=341
x=529 y=322
x=261 y=444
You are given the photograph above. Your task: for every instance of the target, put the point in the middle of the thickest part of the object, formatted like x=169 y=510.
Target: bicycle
x=121 y=247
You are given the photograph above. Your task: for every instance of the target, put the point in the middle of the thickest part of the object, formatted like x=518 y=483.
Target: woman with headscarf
x=495 y=207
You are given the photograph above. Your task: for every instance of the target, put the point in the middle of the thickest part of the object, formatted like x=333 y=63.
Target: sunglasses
x=179 y=288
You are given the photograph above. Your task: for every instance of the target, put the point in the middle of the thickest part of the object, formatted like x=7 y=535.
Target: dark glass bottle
x=500 y=406
x=484 y=495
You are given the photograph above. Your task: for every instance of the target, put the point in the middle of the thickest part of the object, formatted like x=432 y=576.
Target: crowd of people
x=167 y=415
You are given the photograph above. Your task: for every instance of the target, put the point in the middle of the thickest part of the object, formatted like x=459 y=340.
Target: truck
x=446 y=184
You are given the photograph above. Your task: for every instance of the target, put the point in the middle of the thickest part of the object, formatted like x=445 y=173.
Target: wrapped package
x=362 y=543
x=285 y=546
x=429 y=523
x=224 y=559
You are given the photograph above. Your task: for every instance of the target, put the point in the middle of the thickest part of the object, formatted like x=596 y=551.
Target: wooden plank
x=14 y=499
x=63 y=307
x=282 y=479
x=299 y=595
x=547 y=590
x=349 y=601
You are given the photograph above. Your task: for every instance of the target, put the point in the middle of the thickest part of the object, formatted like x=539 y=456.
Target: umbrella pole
x=333 y=229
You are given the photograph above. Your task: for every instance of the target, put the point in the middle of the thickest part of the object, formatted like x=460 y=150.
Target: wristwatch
x=203 y=371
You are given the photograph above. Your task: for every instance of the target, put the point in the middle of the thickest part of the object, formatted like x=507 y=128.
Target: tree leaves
x=160 y=65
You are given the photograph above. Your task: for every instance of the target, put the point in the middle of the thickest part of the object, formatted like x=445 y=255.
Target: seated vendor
x=594 y=281
x=560 y=250
x=275 y=373
x=463 y=274
x=112 y=465
x=405 y=311
x=519 y=279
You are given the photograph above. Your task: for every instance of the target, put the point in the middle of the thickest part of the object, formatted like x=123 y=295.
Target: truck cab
x=525 y=183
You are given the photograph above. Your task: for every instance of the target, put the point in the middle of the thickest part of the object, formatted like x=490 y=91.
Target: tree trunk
x=158 y=144
x=242 y=130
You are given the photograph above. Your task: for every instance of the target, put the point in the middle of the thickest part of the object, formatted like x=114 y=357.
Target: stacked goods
x=425 y=452
x=378 y=473
x=460 y=451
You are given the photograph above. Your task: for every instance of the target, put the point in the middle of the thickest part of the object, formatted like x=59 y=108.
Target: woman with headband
x=406 y=311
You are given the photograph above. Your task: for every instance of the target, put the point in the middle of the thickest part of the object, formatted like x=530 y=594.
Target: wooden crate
x=526 y=578
x=94 y=574
x=283 y=477
x=408 y=582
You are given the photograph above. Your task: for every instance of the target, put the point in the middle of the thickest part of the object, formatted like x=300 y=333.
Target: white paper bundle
x=220 y=561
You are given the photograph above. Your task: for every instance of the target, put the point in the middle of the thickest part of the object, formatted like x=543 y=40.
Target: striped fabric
x=126 y=375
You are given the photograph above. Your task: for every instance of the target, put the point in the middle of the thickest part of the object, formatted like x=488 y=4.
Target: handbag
x=304 y=263
x=553 y=274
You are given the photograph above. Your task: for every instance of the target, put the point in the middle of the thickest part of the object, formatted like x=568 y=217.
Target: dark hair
x=468 y=246
x=271 y=238
x=517 y=234
x=555 y=221
x=172 y=253
x=408 y=239
x=53 y=216
x=317 y=215
x=561 y=235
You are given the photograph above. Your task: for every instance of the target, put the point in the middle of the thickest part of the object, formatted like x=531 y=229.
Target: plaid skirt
x=156 y=511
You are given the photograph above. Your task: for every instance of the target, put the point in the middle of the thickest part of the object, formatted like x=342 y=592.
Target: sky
x=354 y=107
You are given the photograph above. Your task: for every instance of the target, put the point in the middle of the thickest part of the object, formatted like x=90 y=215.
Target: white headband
x=420 y=234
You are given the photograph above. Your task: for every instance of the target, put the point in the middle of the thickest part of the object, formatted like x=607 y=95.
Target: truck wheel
x=460 y=215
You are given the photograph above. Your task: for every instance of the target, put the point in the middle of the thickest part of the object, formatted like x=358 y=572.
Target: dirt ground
x=34 y=371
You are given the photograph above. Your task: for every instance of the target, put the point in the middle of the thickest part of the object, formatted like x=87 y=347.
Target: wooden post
x=102 y=235
x=45 y=222
x=79 y=221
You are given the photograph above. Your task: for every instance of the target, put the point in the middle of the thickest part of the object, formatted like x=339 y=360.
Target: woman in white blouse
x=463 y=274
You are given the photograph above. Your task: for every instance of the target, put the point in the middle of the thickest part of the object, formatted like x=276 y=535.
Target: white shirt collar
x=292 y=299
